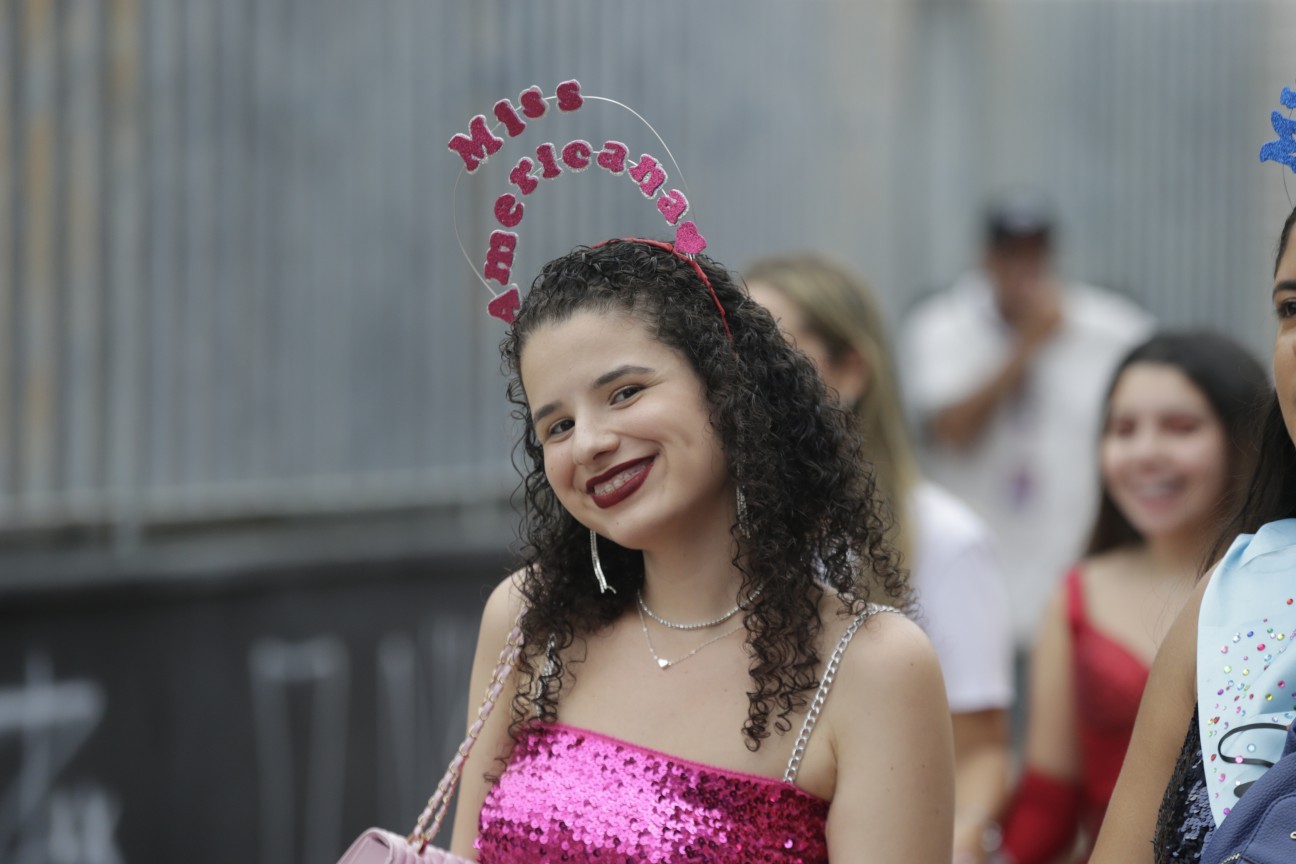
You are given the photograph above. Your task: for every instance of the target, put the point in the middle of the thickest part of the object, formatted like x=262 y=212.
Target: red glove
x=1042 y=822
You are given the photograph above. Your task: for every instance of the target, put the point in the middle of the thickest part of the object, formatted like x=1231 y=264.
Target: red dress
x=1109 y=681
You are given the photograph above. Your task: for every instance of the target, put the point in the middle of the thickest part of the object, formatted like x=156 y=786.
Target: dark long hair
x=813 y=518
x=1271 y=494
x=1234 y=384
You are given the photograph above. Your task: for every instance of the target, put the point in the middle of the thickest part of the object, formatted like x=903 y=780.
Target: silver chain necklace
x=662 y=662
x=643 y=607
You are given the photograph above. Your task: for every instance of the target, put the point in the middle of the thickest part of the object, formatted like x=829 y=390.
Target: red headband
x=697 y=268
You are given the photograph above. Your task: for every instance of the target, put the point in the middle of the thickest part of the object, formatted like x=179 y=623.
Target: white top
x=1032 y=475
x=963 y=606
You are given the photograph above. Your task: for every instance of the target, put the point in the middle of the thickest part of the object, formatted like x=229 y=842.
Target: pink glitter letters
x=499 y=257
x=649 y=175
x=508 y=210
x=548 y=160
x=612 y=156
x=521 y=177
x=569 y=95
x=576 y=155
x=481 y=142
x=476 y=149
x=672 y=205
x=507 y=114
x=533 y=103
x=504 y=307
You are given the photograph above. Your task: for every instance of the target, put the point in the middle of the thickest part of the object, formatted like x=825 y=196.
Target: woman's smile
x=1164 y=451
x=619 y=483
x=626 y=430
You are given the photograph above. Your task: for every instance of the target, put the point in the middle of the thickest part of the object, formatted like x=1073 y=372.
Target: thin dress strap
x=1073 y=585
x=825 y=684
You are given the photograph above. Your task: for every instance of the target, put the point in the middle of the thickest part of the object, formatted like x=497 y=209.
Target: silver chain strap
x=821 y=695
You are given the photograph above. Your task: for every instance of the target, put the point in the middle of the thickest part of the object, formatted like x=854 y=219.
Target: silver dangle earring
x=604 y=587
x=744 y=529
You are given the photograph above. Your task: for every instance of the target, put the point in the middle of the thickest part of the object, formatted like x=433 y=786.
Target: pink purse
x=377 y=846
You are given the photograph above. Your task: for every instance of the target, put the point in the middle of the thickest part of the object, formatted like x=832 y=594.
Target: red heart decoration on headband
x=672 y=205
x=505 y=306
x=687 y=239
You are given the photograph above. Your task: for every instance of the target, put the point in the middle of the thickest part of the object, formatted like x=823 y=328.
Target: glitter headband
x=1283 y=150
x=697 y=268
x=481 y=142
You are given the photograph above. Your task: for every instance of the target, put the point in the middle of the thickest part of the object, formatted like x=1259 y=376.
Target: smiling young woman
x=695 y=465
x=625 y=430
x=1176 y=448
x=1163 y=805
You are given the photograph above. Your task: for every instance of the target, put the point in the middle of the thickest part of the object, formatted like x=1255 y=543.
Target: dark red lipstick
x=640 y=469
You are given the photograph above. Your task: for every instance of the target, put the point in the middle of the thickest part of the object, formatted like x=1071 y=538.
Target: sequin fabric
x=1184 y=823
x=573 y=795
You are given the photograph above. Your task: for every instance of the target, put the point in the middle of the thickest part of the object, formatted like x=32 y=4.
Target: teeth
x=1157 y=490
x=609 y=486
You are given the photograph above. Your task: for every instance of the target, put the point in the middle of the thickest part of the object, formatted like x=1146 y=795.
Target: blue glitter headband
x=1284 y=148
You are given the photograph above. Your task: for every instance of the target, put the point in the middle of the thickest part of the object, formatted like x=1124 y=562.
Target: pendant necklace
x=662 y=662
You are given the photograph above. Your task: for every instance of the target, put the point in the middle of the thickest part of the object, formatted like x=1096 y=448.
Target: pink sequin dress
x=572 y=795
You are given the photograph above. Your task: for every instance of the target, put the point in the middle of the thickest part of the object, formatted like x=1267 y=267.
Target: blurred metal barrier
x=267 y=722
x=217 y=269
x=229 y=284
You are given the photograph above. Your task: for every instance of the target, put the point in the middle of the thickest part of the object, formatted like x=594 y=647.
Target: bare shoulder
x=1173 y=678
x=889 y=654
x=1055 y=609
x=891 y=737
x=502 y=607
x=1195 y=599
x=1180 y=645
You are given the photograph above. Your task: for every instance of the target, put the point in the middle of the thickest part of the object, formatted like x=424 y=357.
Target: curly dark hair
x=813 y=518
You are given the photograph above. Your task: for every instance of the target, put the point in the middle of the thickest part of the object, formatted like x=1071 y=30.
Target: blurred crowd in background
x=256 y=463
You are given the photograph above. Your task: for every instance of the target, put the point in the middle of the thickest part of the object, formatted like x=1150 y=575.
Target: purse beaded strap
x=439 y=803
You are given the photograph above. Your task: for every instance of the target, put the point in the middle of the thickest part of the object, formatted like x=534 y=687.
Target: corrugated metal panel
x=229 y=283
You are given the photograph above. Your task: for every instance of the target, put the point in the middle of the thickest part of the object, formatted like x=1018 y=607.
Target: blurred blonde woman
x=832 y=316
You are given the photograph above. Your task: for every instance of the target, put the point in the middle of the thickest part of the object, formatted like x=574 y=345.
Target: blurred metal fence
x=225 y=292
x=229 y=283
